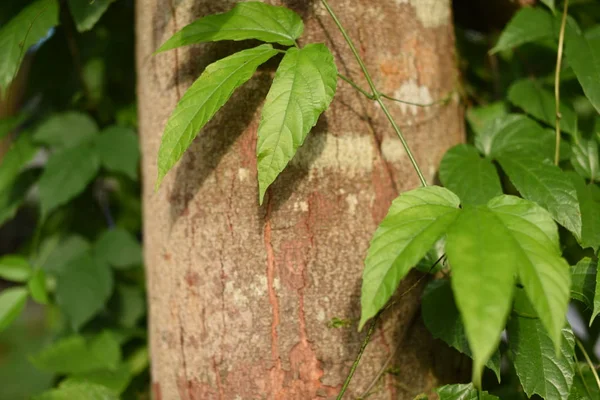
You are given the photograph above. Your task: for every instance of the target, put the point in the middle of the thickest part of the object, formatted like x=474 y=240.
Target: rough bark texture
x=241 y=296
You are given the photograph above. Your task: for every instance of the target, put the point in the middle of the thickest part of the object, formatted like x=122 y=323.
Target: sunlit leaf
x=15 y=268
x=465 y=391
x=584 y=158
x=528 y=25
x=37 y=287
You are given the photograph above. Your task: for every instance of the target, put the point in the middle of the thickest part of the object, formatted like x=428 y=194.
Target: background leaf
x=12 y=197
x=87 y=13
x=528 y=25
x=118 y=149
x=72 y=389
x=12 y=163
x=583 y=54
x=584 y=158
x=37 y=287
x=464 y=391
x=549 y=3
x=583 y=285
x=303 y=87
x=589 y=203
x=15 y=268
x=65 y=130
x=12 y=303
x=596 y=295
x=118 y=248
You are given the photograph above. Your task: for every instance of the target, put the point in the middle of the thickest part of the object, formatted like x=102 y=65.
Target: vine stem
x=588 y=360
x=376 y=95
x=559 y=54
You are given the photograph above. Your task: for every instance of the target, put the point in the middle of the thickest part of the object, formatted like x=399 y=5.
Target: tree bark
x=241 y=296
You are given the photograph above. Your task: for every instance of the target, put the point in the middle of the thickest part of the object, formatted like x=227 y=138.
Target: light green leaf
x=540 y=103
x=247 y=20
x=86 y=13
x=483 y=259
x=118 y=150
x=37 y=286
x=528 y=25
x=464 y=391
x=549 y=3
x=83 y=288
x=203 y=99
x=303 y=87
x=415 y=221
x=596 y=295
x=66 y=175
x=584 y=158
x=74 y=389
x=442 y=319
x=583 y=277
x=583 y=54
x=12 y=302
x=544 y=274
x=540 y=369
x=479 y=117
x=118 y=248
x=22 y=32
x=138 y=361
x=116 y=380
x=15 y=268
x=131 y=305
x=589 y=203
x=12 y=197
x=12 y=163
x=547 y=185
x=474 y=179
x=65 y=130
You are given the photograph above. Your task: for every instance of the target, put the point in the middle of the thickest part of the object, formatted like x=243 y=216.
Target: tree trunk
x=241 y=296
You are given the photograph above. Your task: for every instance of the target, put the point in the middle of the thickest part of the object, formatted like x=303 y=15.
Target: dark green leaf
x=66 y=130
x=12 y=197
x=37 y=287
x=585 y=384
x=584 y=158
x=583 y=54
x=247 y=20
x=547 y=185
x=66 y=175
x=474 y=179
x=12 y=302
x=583 y=276
x=116 y=380
x=86 y=13
x=303 y=87
x=60 y=253
x=549 y=3
x=22 y=32
x=442 y=319
x=203 y=99
x=528 y=25
x=83 y=288
x=118 y=248
x=131 y=304
x=15 y=269
x=589 y=203
x=464 y=391
x=12 y=163
x=73 y=389
x=540 y=103
x=9 y=124
x=415 y=221
x=118 y=150
x=596 y=295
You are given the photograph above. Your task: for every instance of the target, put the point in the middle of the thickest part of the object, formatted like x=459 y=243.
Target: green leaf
x=544 y=274
x=203 y=99
x=60 y=253
x=540 y=103
x=131 y=305
x=549 y=3
x=37 y=287
x=589 y=203
x=12 y=197
x=540 y=369
x=118 y=150
x=116 y=380
x=66 y=175
x=13 y=162
x=584 y=158
x=596 y=296
x=528 y=25
x=465 y=391
x=15 y=269
x=547 y=185
x=22 y=32
x=415 y=221
x=12 y=302
x=442 y=319
x=83 y=288
x=86 y=13
x=303 y=87
x=74 y=389
x=65 y=130
x=483 y=259
x=479 y=117
x=583 y=54
x=118 y=248
x=247 y=20
x=9 y=124
x=585 y=384
x=583 y=277
x=474 y=179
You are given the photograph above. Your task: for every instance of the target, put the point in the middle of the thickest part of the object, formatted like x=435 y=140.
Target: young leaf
x=65 y=130
x=547 y=185
x=415 y=221
x=583 y=54
x=247 y=20
x=15 y=269
x=544 y=274
x=12 y=302
x=67 y=174
x=118 y=150
x=13 y=162
x=302 y=89
x=22 y=32
x=442 y=319
x=465 y=391
x=589 y=203
x=118 y=248
x=538 y=367
x=584 y=158
x=87 y=13
x=583 y=276
x=474 y=179
x=203 y=99
x=528 y=25
x=540 y=103
x=37 y=286
x=596 y=295
x=483 y=260
x=83 y=288
x=74 y=389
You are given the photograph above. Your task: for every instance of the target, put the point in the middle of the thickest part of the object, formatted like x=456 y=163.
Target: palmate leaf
x=203 y=99
x=528 y=25
x=464 y=391
x=247 y=20
x=415 y=221
x=583 y=54
x=303 y=87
